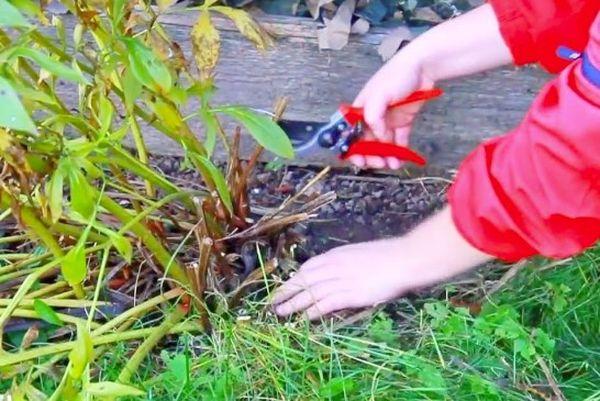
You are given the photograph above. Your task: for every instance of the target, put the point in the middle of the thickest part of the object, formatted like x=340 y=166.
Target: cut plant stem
x=30 y=219
x=56 y=303
x=142 y=151
x=46 y=290
x=9 y=359
x=13 y=238
x=171 y=266
x=151 y=341
x=31 y=314
x=132 y=314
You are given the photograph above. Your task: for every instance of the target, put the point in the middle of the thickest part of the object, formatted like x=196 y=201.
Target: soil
x=368 y=205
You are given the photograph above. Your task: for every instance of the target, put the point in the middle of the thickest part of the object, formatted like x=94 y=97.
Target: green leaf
x=149 y=70
x=11 y=17
x=55 y=195
x=122 y=245
x=46 y=313
x=118 y=11
x=544 y=342
x=54 y=67
x=218 y=179
x=112 y=389
x=82 y=353
x=132 y=88
x=266 y=132
x=336 y=387
x=81 y=200
x=12 y=112
x=105 y=114
x=35 y=95
x=74 y=266
x=178 y=367
x=210 y=129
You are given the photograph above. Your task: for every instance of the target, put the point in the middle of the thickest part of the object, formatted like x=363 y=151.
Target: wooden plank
x=316 y=81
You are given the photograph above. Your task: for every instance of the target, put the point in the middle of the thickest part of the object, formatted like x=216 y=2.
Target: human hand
x=366 y=274
x=351 y=276
x=395 y=81
x=458 y=47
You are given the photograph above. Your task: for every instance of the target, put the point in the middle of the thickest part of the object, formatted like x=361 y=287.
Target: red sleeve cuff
x=515 y=30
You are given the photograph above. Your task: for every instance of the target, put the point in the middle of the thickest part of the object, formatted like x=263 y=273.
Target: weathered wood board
x=316 y=81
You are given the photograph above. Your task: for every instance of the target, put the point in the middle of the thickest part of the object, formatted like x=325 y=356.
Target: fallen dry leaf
x=427 y=14
x=314 y=6
x=360 y=27
x=337 y=31
x=391 y=43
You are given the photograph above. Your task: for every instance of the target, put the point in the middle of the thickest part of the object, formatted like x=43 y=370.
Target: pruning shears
x=342 y=133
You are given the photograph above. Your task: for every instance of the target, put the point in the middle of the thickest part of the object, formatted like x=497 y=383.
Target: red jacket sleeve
x=534 y=29
x=536 y=190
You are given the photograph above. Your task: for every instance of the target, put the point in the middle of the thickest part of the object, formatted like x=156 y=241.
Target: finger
x=332 y=303
x=375 y=161
x=300 y=282
x=306 y=298
x=358 y=161
x=360 y=99
x=374 y=113
x=393 y=163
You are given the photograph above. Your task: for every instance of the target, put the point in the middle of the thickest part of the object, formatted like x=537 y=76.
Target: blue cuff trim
x=590 y=71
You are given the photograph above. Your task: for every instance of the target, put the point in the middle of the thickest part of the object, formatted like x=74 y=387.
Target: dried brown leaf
x=206 y=43
x=336 y=33
x=427 y=14
x=391 y=43
x=314 y=6
x=360 y=27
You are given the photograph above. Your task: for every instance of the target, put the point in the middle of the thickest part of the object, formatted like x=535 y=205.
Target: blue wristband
x=589 y=70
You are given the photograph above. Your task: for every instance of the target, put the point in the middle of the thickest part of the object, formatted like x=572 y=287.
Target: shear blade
x=301 y=133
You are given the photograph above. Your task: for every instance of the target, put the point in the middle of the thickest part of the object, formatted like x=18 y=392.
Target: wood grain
x=316 y=81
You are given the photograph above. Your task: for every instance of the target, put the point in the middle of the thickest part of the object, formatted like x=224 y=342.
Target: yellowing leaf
x=167 y=114
x=247 y=26
x=105 y=115
x=123 y=246
x=163 y=5
x=111 y=389
x=206 y=44
x=55 y=195
x=208 y=3
x=82 y=353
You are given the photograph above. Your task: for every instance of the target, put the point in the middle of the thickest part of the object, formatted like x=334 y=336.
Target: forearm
x=436 y=251
x=462 y=46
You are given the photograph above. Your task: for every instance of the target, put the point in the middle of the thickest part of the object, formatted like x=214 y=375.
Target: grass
x=541 y=327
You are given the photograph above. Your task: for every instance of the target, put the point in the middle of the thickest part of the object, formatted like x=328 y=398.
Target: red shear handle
x=376 y=148
x=354 y=115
